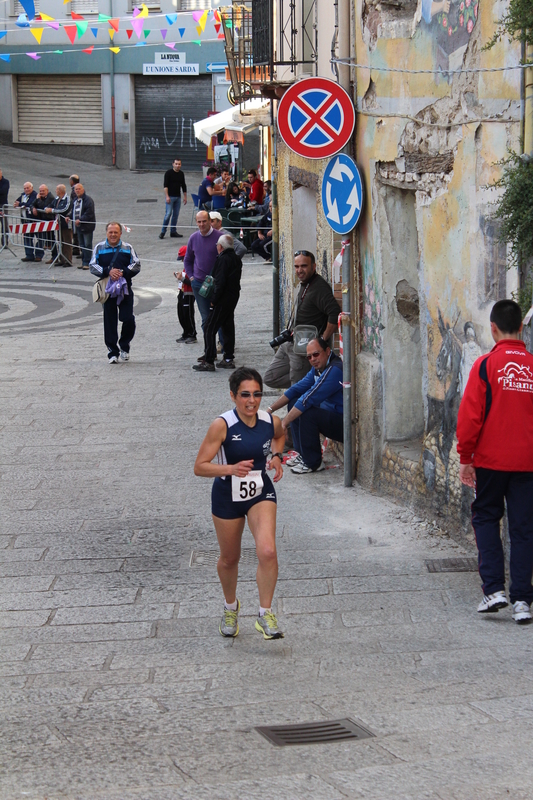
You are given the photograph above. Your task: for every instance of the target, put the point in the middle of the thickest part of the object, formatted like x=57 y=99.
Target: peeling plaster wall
x=406 y=143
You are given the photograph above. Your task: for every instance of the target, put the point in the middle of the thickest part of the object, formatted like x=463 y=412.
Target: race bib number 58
x=246 y=488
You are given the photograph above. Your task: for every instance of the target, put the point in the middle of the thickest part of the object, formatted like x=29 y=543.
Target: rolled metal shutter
x=166 y=109
x=60 y=109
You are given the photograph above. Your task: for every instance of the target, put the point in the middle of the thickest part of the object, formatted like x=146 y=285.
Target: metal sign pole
x=347 y=362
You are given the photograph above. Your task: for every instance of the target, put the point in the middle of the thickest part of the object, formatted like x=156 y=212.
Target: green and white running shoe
x=229 y=625
x=268 y=626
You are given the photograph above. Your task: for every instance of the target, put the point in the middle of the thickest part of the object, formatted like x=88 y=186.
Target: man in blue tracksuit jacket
x=117 y=260
x=315 y=407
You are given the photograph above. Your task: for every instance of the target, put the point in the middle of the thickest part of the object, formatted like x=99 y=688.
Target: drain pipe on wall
x=528 y=99
x=275 y=226
x=112 y=90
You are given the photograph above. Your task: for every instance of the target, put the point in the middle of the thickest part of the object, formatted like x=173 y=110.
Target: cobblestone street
x=115 y=683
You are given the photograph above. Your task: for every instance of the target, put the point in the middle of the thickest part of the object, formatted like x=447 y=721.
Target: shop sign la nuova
x=170 y=64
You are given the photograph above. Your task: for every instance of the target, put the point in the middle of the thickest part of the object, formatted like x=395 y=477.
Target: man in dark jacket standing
x=43 y=200
x=25 y=201
x=60 y=208
x=226 y=276
x=118 y=261
x=73 y=180
x=83 y=223
x=4 y=191
x=173 y=185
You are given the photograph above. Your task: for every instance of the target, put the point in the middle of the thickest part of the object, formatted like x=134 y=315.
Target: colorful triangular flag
x=34 y=56
x=115 y=49
x=38 y=33
x=198 y=30
x=171 y=18
x=143 y=12
x=197 y=15
x=164 y=33
x=114 y=23
x=217 y=27
x=5 y=57
x=82 y=27
x=103 y=18
x=94 y=32
x=71 y=32
x=54 y=25
x=197 y=41
x=147 y=34
x=181 y=31
x=203 y=20
x=172 y=45
x=46 y=18
x=137 y=25
x=29 y=8
x=221 y=36
x=76 y=16
x=88 y=49
x=2 y=34
x=140 y=44
x=22 y=21
x=129 y=32
x=111 y=33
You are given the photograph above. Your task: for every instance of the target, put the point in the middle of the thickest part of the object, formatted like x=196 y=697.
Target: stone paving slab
x=114 y=681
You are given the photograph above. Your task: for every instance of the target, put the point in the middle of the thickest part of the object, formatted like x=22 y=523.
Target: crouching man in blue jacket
x=118 y=261
x=315 y=407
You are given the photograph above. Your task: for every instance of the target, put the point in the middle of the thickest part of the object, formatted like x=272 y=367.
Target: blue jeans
x=85 y=241
x=306 y=430
x=172 y=207
x=203 y=303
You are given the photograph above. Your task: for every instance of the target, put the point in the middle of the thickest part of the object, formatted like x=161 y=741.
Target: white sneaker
x=302 y=469
x=522 y=612
x=113 y=360
x=492 y=603
x=293 y=460
x=124 y=356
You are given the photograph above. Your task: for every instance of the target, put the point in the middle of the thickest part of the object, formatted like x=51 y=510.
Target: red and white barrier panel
x=34 y=227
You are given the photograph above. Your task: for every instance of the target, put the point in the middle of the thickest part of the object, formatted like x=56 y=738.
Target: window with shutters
x=193 y=5
x=84 y=6
x=17 y=8
x=151 y=5
x=59 y=109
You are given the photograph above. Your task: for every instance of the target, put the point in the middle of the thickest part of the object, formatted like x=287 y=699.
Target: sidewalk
x=115 y=683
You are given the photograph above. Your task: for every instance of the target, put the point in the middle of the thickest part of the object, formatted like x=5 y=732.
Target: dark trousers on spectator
x=222 y=316
x=306 y=430
x=65 y=235
x=262 y=247
x=75 y=245
x=112 y=314
x=186 y=314
x=493 y=488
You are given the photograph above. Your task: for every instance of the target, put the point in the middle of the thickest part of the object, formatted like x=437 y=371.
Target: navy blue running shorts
x=224 y=507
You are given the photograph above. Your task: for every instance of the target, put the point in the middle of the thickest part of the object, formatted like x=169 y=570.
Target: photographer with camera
x=315 y=313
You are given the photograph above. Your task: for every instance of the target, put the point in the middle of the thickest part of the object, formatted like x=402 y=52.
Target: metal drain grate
x=451 y=564
x=209 y=558
x=335 y=730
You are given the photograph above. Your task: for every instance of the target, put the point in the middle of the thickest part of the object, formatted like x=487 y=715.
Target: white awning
x=204 y=129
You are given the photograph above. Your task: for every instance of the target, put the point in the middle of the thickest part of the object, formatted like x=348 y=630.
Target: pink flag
x=138 y=25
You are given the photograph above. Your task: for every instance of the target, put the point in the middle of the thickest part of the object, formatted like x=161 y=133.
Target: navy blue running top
x=243 y=443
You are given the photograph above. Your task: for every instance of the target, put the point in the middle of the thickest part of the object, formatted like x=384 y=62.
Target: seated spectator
x=262 y=208
x=254 y=187
x=207 y=189
x=263 y=243
x=25 y=201
x=315 y=407
x=223 y=181
x=234 y=195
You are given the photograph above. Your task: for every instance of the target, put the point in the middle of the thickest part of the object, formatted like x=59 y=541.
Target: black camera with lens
x=284 y=336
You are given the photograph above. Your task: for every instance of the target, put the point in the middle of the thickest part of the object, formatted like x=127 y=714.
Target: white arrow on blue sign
x=217 y=66
x=342 y=193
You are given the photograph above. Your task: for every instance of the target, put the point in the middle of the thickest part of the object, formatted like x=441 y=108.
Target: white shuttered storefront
x=60 y=109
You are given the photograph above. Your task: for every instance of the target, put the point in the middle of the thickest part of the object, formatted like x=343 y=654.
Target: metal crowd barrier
x=22 y=231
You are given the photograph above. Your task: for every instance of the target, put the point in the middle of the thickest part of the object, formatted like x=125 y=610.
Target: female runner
x=242 y=439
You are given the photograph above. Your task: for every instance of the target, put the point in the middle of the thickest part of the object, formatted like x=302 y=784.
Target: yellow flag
x=115 y=49
x=199 y=30
x=203 y=20
x=144 y=11
x=38 y=33
x=111 y=33
x=46 y=18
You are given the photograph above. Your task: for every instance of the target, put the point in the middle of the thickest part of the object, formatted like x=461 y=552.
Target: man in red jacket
x=495 y=444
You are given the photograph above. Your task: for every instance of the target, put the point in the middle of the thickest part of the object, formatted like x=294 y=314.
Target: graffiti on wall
x=372 y=319
x=451 y=23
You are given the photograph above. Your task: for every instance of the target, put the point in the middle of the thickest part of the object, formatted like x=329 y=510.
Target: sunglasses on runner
x=255 y=395
x=305 y=253
x=312 y=355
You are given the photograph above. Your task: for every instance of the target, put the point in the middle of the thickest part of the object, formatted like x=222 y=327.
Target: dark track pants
x=221 y=316
x=186 y=314
x=124 y=313
x=492 y=487
x=306 y=430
